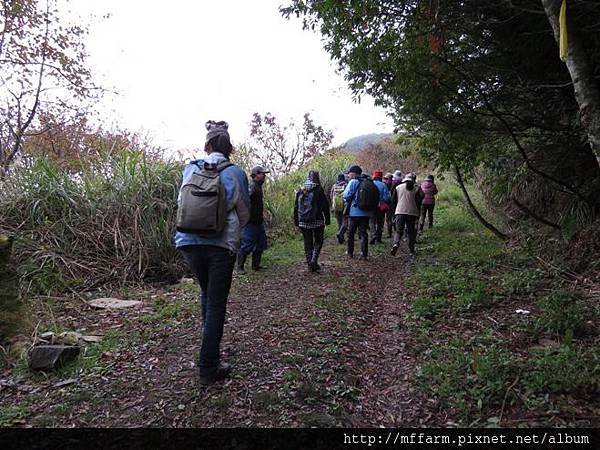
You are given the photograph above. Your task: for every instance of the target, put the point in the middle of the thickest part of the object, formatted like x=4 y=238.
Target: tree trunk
x=11 y=307
x=474 y=210
x=587 y=90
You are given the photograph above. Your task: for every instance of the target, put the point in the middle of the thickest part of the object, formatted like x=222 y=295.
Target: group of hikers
x=220 y=220
x=360 y=202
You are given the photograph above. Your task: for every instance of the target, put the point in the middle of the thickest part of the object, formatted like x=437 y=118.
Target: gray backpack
x=202 y=207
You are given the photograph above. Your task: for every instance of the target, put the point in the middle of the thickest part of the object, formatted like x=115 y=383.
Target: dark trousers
x=389 y=221
x=426 y=210
x=213 y=267
x=403 y=220
x=362 y=224
x=377 y=221
x=313 y=242
x=342 y=222
x=254 y=239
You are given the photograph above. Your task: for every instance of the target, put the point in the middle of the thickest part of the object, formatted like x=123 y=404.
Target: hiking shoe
x=394 y=250
x=363 y=257
x=350 y=255
x=340 y=238
x=217 y=374
x=258 y=268
x=240 y=271
x=372 y=241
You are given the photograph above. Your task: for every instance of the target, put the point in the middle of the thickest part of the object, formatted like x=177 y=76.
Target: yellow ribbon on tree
x=562 y=21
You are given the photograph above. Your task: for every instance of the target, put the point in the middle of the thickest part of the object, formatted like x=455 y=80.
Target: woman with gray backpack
x=212 y=207
x=311 y=214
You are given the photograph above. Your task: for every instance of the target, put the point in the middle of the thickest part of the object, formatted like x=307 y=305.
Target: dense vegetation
x=109 y=222
x=486 y=362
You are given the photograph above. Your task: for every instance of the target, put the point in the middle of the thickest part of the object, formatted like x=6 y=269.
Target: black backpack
x=307 y=212
x=368 y=195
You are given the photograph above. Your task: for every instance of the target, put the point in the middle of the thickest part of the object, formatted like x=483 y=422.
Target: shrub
x=110 y=222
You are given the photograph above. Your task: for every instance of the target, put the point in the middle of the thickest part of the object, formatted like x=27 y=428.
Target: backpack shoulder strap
x=224 y=165
x=220 y=167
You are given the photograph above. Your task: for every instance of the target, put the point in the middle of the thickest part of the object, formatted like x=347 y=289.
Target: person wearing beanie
x=406 y=213
x=338 y=206
x=311 y=215
x=389 y=215
x=378 y=217
x=396 y=180
x=254 y=236
x=429 y=190
x=358 y=219
x=211 y=259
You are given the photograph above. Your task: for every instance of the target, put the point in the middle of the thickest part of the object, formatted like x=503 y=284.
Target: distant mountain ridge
x=358 y=143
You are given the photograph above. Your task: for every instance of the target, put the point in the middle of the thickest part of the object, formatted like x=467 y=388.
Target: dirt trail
x=326 y=349
x=388 y=395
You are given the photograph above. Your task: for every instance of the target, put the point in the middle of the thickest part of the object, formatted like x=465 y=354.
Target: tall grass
x=111 y=222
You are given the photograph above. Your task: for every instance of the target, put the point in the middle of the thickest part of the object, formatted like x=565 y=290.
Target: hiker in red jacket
x=429 y=190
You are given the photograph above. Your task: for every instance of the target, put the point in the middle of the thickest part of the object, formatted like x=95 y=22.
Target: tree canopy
x=480 y=83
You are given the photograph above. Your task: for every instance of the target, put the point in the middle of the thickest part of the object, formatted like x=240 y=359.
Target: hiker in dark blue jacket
x=211 y=260
x=358 y=218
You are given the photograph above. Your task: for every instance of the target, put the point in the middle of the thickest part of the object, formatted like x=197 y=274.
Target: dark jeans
x=313 y=242
x=426 y=210
x=362 y=224
x=403 y=220
x=377 y=221
x=213 y=267
x=389 y=221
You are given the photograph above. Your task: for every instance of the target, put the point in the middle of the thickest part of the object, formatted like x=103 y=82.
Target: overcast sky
x=178 y=63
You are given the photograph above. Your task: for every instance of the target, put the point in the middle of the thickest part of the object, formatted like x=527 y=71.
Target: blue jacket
x=235 y=184
x=350 y=196
x=384 y=192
